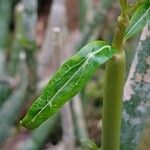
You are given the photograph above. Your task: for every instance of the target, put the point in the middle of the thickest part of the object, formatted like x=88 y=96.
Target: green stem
x=123 y=4
x=113 y=92
x=112 y=104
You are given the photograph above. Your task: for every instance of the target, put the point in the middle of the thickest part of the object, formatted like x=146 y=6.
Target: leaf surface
x=138 y=20
x=89 y=145
x=67 y=81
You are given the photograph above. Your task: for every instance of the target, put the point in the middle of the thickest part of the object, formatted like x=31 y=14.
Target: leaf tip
x=24 y=124
x=20 y=122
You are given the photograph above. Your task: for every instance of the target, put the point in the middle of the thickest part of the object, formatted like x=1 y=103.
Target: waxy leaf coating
x=138 y=20
x=68 y=81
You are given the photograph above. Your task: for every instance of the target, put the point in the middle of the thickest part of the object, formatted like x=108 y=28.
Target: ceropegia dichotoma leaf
x=89 y=145
x=138 y=20
x=68 y=81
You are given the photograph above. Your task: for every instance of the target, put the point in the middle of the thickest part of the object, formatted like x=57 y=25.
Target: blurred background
x=36 y=37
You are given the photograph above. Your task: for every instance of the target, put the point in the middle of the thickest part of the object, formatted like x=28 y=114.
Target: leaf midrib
x=66 y=73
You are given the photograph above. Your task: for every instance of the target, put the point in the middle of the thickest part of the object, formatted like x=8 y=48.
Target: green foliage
x=68 y=81
x=89 y=145
x=138 y=20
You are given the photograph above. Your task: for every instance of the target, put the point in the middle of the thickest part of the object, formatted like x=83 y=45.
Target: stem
x=113 y=91
x=112 y=104
x=123 y=4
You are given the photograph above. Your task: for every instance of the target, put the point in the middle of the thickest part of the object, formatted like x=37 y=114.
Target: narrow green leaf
x=138 y=20
x=89 y=145
x=68 y=81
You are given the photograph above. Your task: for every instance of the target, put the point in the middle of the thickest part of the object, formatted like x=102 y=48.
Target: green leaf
x=68 y=81
x=138 y=20
x=89 y=145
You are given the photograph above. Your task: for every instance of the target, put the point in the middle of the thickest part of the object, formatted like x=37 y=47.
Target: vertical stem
x=113 y=92
x=112 y=104
x=123 y=4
